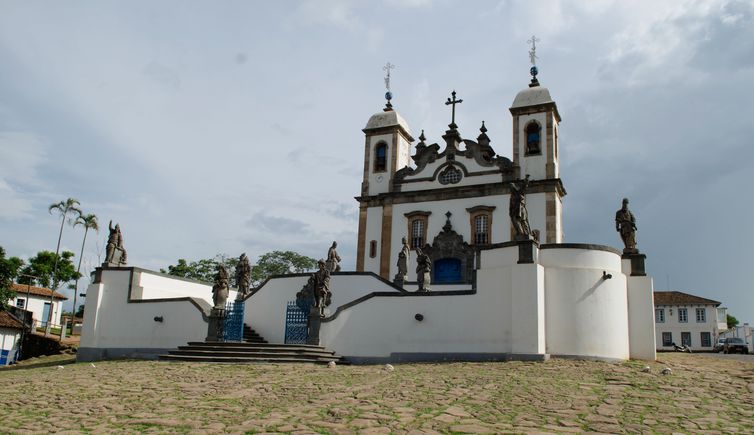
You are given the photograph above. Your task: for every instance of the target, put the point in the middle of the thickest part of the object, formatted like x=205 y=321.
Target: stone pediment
x=477 y=158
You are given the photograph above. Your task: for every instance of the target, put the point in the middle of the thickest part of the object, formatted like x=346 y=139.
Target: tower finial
x=533 y=59
x=388 y=94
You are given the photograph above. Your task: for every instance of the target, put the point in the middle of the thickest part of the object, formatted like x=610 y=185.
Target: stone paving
x=702 y=395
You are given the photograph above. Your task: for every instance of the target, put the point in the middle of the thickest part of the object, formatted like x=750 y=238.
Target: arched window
x=380 y=157
x=373 y=249
x=533 y=136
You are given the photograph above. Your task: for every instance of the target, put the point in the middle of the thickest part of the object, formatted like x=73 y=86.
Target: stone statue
x=403 y=259
x=220 y=289
x=321 y=284
x=423 y=270
x=115 y=252
x=625 y=224
x=333 y=259
x=243 y=276
x=517 y=209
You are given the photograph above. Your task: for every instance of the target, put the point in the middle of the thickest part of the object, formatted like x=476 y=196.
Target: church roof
x=532 y=96
x=22 y=289
x=387 y=118
x=680 y=298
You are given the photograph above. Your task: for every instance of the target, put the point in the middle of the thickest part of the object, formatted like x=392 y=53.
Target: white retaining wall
x=115 y=326
x=265 y=309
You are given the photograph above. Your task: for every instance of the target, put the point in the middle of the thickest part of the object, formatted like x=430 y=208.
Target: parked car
x=719 y=345
x=735 y=345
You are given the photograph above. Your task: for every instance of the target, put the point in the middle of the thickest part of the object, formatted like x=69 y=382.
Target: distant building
x=37 y=300
x=682 y=318
x=10 y=338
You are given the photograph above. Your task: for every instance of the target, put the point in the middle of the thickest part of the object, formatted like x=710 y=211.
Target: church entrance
x=447 y=270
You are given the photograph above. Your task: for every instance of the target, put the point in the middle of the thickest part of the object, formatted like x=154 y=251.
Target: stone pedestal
x=215 y=325
x=399 y=280
x=526 y=253
x=637 y=262
x=315 y=319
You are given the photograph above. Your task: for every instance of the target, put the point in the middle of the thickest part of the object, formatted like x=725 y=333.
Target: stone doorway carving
x=452 y=258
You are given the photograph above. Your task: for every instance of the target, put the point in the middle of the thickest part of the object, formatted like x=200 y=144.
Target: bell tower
x=535 y=147
x=386 y=150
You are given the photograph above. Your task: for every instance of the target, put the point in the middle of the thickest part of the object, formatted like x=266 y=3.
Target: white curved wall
x=585 y=315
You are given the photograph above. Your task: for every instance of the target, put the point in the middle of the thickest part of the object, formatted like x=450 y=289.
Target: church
x=486 y=232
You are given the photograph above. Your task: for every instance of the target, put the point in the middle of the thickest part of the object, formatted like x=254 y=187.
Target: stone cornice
x=458 y=192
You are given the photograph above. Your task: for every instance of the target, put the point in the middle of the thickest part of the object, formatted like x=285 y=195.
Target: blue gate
x=233 y=325
x=297 y=323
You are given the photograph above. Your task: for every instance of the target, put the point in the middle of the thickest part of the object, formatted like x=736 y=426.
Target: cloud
x=283 y=226
x=22 y=155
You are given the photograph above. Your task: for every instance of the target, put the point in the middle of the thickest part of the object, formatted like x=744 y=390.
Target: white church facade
x=493 y=296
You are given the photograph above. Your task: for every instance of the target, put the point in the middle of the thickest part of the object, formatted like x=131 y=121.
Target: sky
x=208 y=128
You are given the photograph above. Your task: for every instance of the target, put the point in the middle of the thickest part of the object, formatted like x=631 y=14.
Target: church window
x=481 y=224
x=380 y=157
x=417 y=228
x=451 y=175
x=373 y=249
x=533 y=136
x=481 y=230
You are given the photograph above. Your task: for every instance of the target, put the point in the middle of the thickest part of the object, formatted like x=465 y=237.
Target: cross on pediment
x=453 y=103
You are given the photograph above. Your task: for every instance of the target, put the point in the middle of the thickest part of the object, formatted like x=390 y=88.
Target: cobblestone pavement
x=701 y=395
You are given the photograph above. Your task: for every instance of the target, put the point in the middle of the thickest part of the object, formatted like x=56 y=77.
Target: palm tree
x=90 y=223
x=63 y=207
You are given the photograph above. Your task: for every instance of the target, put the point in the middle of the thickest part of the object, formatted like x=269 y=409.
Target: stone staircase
x=254 y=349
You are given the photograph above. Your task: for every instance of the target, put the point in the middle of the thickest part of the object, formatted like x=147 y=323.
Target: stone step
x=246 y=359
x=259 y=348
x=247 y=344
x=230 y=353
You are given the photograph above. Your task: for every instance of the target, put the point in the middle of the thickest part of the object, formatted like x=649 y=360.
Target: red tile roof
x=21 y=289
x=680 y=298
x=7 y=320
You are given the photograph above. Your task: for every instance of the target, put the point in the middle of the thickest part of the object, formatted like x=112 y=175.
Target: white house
x=37 y=300
x=10 y=337
x=493 y=296
x=688 y=320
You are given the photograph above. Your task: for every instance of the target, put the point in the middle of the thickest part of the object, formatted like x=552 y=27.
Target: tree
x=63 y=208
x=280 y=263
x=271 y=263
x=42 y=266
x=732 y=321
x=89 y=222
x=9 y=268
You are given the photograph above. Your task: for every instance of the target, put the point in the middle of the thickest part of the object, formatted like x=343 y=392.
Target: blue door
x=45 y=314
x=447 y=270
